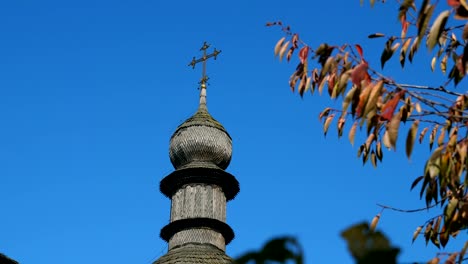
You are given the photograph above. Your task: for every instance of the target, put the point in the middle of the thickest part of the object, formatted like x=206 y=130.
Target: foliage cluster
x=377 y=104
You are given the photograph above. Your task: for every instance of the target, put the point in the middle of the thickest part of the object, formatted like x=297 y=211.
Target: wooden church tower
x=199 y=188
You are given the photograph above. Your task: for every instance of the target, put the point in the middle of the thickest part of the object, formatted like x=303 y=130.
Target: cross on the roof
x=203 y=59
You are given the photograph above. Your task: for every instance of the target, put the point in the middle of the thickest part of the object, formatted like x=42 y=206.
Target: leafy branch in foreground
x=378 y=104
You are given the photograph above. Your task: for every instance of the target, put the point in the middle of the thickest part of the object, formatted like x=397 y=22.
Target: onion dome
x=200 y=141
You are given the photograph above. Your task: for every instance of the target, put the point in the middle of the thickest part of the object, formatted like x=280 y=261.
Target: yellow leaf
x=283 y=50
x=435 y=260
x=278 y=45
x=374 y=222
x=443 y=64
x=433 y=62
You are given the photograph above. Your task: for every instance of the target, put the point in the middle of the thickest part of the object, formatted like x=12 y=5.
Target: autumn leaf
x=421 y=135
x=360 y=51
x=374 y=222
x=283 y=49
x=392 y=129
x=388 y=51
x=411 y=138
x=352 y=133
x=303 y=54
x=424 y=16
x=359 y=73
x=416 y=233
x=376 y=35
x=436 y=30
x=327 y=123
x=389 y=108
x=403 y=50
x=371 y=102
x=278 y=45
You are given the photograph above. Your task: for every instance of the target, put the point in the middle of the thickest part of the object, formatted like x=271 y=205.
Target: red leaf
x=303 y=54
x=359 y=50
x=453 y=3
x=389 y=108
x=360 y=73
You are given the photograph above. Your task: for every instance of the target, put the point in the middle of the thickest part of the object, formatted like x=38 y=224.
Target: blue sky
x=91 y=92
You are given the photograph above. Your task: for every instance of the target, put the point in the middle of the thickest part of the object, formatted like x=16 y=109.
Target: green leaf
x=411 y=138
x=436 y=30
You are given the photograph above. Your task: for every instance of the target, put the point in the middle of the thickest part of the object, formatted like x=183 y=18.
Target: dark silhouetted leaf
x=376 y=35
x=416 y=181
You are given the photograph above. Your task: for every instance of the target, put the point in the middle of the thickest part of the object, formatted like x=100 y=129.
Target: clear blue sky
x=91 y=92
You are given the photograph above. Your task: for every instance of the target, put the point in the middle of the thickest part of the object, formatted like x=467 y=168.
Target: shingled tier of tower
x=200 y=151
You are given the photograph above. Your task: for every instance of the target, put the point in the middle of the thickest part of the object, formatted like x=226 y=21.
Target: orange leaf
x=374 y=222
x=389 y=108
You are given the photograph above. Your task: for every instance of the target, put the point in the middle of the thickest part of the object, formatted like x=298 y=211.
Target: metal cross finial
x=203 y=59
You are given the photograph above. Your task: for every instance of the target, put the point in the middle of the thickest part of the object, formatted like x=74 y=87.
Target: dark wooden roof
x=193 y=253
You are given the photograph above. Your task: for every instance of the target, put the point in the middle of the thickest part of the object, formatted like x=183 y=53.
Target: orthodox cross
x=203 y=59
